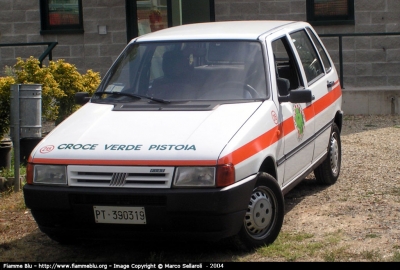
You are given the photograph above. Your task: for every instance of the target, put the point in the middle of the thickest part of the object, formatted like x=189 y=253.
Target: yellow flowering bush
x=5 y=85
x=29 y=72
x=70 y=81
x=60 y=81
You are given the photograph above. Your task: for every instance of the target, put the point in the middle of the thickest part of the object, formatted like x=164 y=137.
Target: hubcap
x=259 y=214
x=334 y=155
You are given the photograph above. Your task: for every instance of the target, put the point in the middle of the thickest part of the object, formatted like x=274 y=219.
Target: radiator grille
x=120 y=176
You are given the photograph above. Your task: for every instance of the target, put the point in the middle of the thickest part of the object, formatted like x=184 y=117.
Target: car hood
x=96 y=134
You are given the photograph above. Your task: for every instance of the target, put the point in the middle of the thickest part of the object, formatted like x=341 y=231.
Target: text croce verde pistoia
x=128 y=147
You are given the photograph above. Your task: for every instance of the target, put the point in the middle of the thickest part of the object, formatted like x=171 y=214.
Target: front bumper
x=206 y=214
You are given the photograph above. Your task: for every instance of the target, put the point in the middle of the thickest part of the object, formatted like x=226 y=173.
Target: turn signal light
x=225 y=175
x=29 y=173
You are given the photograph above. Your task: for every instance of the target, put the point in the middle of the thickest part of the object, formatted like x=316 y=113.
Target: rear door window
x=321 y=51
x=308 y=55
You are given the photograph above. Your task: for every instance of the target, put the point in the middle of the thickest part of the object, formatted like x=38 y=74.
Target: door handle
x=330 y=83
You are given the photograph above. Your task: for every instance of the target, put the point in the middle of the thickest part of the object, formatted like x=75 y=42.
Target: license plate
x=119 y=214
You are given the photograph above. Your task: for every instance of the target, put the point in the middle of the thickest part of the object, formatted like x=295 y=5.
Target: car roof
x=244 y=30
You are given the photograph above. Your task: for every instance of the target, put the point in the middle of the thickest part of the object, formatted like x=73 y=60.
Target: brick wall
x=20 y=23
x=368 y=61
x=372 y=62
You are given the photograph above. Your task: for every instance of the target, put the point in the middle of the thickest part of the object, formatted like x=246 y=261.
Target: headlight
x=195 y=177
x=50 y=175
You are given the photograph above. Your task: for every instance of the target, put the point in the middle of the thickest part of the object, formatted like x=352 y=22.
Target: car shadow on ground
x=42 y=249
x=37 y=247
x=308 y=187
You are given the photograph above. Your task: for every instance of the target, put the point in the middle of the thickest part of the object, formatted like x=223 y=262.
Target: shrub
x=29 y=72
x=60 y=81
x=70 y=81
x=5 y=85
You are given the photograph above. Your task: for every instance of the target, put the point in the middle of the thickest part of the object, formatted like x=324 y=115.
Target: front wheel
x=264 y=217
x=328 y=172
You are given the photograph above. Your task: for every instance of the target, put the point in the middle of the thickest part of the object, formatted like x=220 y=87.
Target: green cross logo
x=299 y=120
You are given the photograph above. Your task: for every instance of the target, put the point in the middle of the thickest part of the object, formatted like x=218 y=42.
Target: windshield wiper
x=159 y=100
x=117 y=93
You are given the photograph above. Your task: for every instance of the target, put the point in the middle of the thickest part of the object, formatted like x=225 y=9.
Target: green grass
x=336 y=254
x=396 y=257
x=395 y=191
x=304 y=247
x=5 y=173
x=292 y=246
x=10 y=173
x=372 y=235
x=371 y=255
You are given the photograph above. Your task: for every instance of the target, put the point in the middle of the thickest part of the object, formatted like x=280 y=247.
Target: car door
x=321 y=80
x=296 y=120
x=326 y=90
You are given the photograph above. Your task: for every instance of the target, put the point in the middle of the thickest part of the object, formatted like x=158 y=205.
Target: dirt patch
x=356 y=219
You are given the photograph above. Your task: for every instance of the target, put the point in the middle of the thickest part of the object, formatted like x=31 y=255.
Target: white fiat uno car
x=196 y=131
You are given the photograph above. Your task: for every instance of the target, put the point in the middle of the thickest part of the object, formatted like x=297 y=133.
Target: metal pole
x=16 y=131
x=341 y=61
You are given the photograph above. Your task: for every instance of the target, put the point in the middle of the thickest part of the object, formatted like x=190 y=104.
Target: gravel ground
x=359 y=215
x=364 y=205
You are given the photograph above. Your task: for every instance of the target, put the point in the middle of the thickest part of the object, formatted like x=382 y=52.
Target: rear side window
x=322 y=52
x=309 y=58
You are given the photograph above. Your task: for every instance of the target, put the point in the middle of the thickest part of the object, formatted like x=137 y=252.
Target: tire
x=328 y=171
x=264 y=217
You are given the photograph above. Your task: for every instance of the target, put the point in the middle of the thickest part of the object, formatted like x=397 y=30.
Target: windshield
x=181 y=71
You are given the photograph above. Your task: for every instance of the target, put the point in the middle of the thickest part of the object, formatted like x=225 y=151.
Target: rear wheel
x=328 y=172
x=264 y=217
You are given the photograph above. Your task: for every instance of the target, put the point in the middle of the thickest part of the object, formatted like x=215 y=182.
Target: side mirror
x=81 y=98
x=297 y=96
